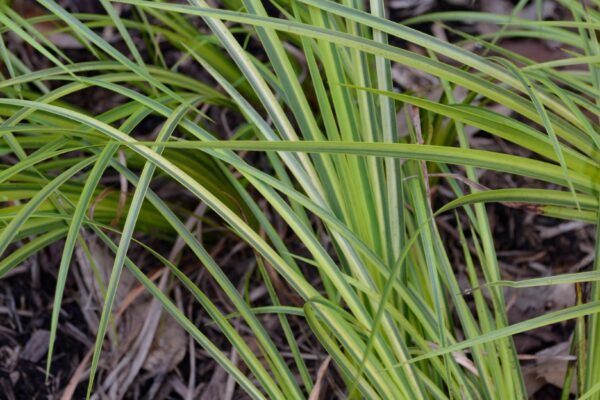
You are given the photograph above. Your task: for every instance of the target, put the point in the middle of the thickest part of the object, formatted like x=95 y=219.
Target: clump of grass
x=388 y=309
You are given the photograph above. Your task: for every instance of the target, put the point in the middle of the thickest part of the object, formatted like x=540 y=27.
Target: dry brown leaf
x=535 y=301
x=99 y=268
x=29 y=9
x=550 y=367
x=413 y=80
x=168 y=347
x=169 y=342
x=216 y=385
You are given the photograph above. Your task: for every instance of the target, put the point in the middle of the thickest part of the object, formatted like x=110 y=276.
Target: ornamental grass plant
x=322 y=146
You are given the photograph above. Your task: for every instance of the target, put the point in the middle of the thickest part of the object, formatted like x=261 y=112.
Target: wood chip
x=36 y=347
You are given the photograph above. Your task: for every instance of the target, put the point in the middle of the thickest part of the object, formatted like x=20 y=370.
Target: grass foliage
x=319 y=104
